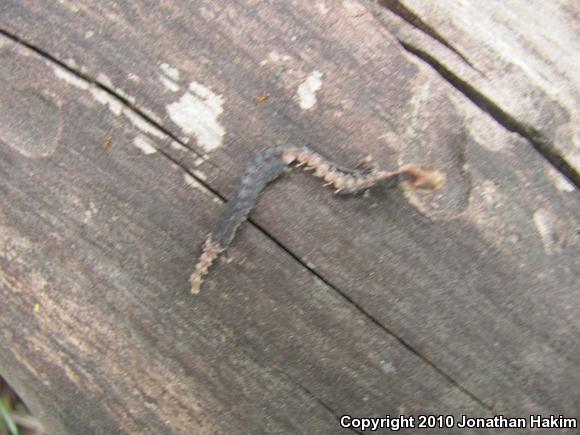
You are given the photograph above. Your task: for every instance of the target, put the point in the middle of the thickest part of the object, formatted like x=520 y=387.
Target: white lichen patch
x=104 y=80
x=114 y=104
x=558 y=180
x=199 y=174
x=178 y=147
x=70 y=78
x=169 y=71
x=191 y=181
x=142 y=124
x=70 y=62
x=106 y=99
x=170 y=77
x=200 y=161
x=125 y=95
x=151 y=115
x=307 y=90
x=547 y=223
x=197 y=113
x=169 y=84
x=144 y=145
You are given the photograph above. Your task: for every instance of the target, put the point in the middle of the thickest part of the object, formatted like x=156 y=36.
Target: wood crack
x=406 y=14
x=539 y=141
x=47 y=56
x=377 y=323
x=306 y=391
x=92 y=81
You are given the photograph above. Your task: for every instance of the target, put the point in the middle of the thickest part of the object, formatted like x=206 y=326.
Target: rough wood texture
x=122 y=129
x=517 y=60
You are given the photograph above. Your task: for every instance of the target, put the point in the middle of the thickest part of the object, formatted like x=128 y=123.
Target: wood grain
x=516 y=60
x=398 y=302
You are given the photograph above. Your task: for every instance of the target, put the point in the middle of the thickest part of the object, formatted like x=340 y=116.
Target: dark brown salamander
x=272 y=163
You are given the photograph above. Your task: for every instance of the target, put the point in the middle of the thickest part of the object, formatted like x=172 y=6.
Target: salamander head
x=422 y=178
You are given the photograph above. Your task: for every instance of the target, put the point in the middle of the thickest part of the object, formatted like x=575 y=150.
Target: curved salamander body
x=270 y=164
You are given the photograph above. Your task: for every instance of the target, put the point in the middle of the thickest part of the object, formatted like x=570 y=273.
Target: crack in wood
x=542 y=144
x=406 y=14
x=377 y=323
x=90 y=80
x=304 y=390
x=303 y=263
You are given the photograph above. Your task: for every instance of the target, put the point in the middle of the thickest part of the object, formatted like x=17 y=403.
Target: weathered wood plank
x=518 y=58
x=480 y=280
x=101 y=238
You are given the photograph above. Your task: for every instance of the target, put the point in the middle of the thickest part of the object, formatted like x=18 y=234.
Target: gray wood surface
x=516 y=60
x=122 y=130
